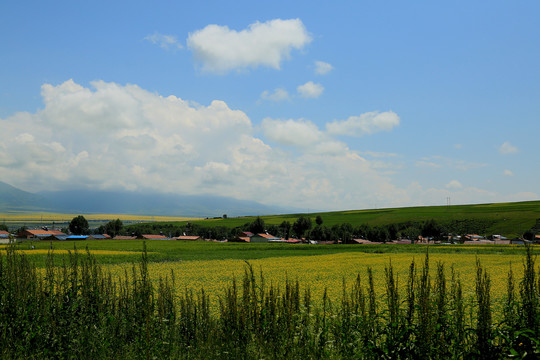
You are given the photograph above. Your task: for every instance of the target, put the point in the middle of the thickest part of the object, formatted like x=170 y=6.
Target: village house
x=188 y=237
x=99 y=237
x=153 y=237
x=264 y=238
x=123 y=237
x=39 y=234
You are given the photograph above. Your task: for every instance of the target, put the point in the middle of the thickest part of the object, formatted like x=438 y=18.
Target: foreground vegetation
x=80 y=310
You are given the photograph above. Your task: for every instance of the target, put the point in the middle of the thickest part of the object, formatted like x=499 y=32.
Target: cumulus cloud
x=364 y=124
x=112 y=136
x=220 y=49
x=164 y=41
x=302 y=134
x=310 y=90
x=277 y=95
x=507 y=148
x=322 y=68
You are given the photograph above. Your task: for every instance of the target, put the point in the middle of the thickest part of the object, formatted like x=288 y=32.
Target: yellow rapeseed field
x=66 y=252
x=328 y=271
x=36 y=217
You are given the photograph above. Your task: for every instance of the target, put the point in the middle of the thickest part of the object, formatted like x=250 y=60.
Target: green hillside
x=509 y=219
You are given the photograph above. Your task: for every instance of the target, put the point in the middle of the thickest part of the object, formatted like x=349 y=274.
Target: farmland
x=205 y=299
x=213 y=266
x=38 y=219
x=274 y=301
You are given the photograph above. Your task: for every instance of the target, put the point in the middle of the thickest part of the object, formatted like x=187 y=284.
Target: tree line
x=302 y=228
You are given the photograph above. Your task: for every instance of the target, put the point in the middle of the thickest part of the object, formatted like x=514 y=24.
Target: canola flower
x=66 y=252
x=328 y=272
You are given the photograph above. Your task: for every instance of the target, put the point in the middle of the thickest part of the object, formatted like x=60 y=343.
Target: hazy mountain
x=156 y=204
x=12 y=199
x=109 y=202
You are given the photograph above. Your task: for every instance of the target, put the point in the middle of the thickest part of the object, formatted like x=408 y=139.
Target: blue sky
x=347 y=105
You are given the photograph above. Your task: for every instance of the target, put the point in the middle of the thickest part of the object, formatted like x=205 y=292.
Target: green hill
x=509 y=219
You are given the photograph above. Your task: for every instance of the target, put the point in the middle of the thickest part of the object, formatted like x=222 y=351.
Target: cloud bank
x=219 y=49
x=111 y=136
x=122 y=137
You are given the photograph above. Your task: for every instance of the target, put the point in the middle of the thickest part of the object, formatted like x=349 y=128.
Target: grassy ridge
x=510 y=219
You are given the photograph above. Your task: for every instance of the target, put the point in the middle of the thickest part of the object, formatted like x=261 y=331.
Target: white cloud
x=507 y=172
x=302 y=134
x=507 y=148
x=454 y=184
x=164 y=41
x=111 y=136
x=364 y=124
x=24 y=138
x=220 y=49
x=310 y=90
x=322 y=68
x=292 y=132
x=277 y=95
x=379 y=154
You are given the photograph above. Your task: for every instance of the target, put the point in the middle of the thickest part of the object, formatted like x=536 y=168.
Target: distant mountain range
x=136 y=203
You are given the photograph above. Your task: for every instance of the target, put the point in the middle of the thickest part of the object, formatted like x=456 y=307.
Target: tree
x=319 y=220
x=392 y=231
x=113 y=227
x=257 y=226
x=528 y=235
x=285 y=229
x=431 y=229
x=301 y=225
x=3 y=227
x=79 y=225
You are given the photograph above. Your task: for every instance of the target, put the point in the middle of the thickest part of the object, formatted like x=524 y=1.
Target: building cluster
x=41 y=234
x=248 y=237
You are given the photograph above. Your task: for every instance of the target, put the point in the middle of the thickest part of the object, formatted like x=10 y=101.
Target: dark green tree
x=301 y=225
x=79 y=226
x=257 y=226
x=3 y=227
x=528 y=235
x=285 y=229
x=432 y=229
x=392 y=231
x=318 y=220
x=113 y=227
x=364 y=230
